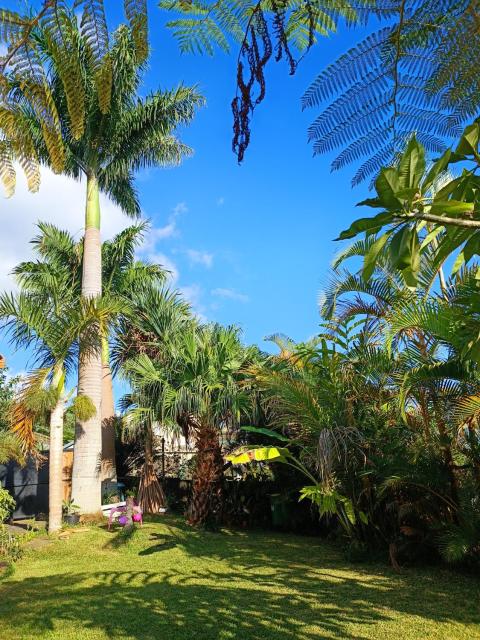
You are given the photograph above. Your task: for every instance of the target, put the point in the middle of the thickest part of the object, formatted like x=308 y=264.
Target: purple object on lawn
x=123 y=519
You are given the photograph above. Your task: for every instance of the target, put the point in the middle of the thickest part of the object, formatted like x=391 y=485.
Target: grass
x=169 y=582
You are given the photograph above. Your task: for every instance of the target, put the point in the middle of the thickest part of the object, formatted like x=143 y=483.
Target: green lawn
x=172 y=583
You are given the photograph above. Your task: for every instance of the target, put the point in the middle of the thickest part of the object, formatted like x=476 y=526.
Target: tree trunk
x=55 y=467
x=205 y=507
x=86 y=483
x=151 y=497
x=448 y=457
x=108 y=471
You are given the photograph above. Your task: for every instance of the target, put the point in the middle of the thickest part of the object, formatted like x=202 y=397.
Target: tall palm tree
x=67 y=107
x=124 y=277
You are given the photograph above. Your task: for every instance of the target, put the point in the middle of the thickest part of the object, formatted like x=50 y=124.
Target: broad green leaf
x=370 y=202
x=349 y=510
x=431 y=236
x=459 y=262
x=469 y=141
x=412 y=165
x=451 y=207
x=371 y=256
x=260 y=454
x=386 y=185
x=436 y=169
x=266 y=432
x=472 y=247
x=363 y=517
x=367 y=225
x=407 y=194
x=400 y=248
x=410 y=276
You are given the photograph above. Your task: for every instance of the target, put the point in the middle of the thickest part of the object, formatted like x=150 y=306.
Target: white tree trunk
x=109 y=472
x=86 y=482
x=55 y=468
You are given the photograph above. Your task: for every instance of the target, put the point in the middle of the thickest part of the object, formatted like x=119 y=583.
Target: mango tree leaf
x=436 y=169
x=412 y=165
x=370 y=202
x=407 y=194
x=472 y=247
x=386 y=185
x=431 y=236
x=369 y=225
x=459 y=262
x=400 y=248
x=451 y=207
x=371 y=256
x=469 y=141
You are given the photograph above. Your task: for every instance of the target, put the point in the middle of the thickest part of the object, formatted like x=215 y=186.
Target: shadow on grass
x=163 y=544
x=232 y=586
x=121 y=538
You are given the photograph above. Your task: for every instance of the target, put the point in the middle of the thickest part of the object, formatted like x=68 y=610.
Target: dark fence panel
x=29 y=487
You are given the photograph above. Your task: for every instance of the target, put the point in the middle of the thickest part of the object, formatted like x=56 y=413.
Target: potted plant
x=70 y=512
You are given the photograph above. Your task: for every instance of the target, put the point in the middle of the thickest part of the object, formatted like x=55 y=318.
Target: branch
x=456 y=222
x=48 y=4
x=396 y=64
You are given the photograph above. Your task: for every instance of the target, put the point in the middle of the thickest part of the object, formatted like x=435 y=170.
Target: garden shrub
x=7 y=504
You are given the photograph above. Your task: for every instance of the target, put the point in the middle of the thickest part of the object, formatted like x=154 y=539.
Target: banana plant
x=323 y=495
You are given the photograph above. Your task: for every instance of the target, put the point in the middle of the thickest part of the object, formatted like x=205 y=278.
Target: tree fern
x=415 y=75
x=264 y=30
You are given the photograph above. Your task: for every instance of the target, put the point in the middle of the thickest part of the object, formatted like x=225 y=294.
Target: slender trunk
x=55 y=465
x=86 y=483
x=151 y=497
x=108 y=472
x=448 y=458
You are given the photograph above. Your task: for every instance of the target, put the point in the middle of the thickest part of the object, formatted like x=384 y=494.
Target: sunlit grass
x=169 y=582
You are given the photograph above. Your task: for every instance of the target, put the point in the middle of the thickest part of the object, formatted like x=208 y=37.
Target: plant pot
x=71 y=518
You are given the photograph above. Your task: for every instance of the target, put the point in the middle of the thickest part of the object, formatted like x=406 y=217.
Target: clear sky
x=249 y=245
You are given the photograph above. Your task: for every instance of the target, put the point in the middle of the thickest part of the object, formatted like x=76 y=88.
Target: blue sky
x=249 y=245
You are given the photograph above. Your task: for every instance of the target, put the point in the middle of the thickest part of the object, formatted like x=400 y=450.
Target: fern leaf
x=136 y=12
x=95 y=31
x=7 y=170
x=62 y=41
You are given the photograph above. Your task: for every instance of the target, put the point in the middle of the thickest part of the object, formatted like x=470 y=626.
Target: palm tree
x=159 y=317
x=53 y=332
x=193 y=383
x=124 y=277
x=78 y=112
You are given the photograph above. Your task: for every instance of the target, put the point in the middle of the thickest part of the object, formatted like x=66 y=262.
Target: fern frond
x=136 y=12
x=7 y=170
x=393 y=84
x=95 y=31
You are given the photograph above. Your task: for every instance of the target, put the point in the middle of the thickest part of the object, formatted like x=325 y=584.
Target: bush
x=7 y=504
x=9 y=545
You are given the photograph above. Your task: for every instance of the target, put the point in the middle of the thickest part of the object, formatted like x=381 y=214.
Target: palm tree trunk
x=55 y=465
x=206 y=502
x=151 y=497
x=108 y=472
x=86 y=483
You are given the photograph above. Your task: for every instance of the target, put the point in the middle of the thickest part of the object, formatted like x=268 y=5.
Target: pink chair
x=121 y=512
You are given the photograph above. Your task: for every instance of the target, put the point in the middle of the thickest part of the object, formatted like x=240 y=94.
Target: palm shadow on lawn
x=275 y=587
